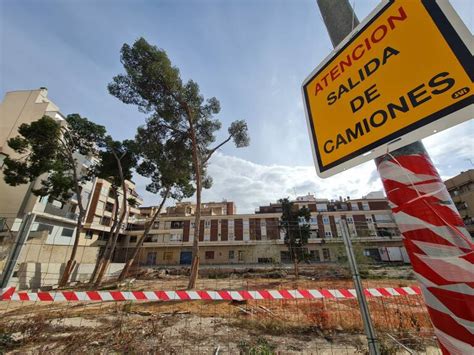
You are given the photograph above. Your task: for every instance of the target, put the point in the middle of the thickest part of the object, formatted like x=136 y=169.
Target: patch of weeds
x=388 y=348
x=260 y=346
x=127 y=307
x=217 y=276
x=6 y=341
x=273 y=327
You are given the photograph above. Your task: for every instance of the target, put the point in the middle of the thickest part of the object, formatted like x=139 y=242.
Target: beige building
x=230 y=238
x=58 y=219
x=51 y=235
x=461 y=189
x=101 y=211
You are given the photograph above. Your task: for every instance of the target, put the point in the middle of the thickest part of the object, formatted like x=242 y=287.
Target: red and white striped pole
x=440 y=248
x=438 y=244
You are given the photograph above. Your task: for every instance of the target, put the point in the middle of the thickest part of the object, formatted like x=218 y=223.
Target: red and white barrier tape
x=219 y=295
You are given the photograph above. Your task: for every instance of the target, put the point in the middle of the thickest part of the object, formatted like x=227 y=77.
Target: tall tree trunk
x=101 y=257
x=71 y=262
x=296 y=268
x=197 y=213
x=140 y=242
x=109 y=253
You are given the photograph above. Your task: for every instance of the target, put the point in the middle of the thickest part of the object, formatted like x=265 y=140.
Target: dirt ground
x=224 y=327
x=189 y=328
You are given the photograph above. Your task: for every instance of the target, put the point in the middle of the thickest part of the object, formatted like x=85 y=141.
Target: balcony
x=60 y=212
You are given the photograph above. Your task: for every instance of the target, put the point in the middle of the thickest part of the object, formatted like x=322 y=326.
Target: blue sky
x=251 y=55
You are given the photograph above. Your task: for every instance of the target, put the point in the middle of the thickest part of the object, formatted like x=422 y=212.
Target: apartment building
x=101 y=211
x=461 y=189
x=57 y=218
x=230 y=238
x=51 y=235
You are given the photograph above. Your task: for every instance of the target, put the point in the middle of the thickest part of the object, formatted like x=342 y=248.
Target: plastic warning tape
x=219 y=295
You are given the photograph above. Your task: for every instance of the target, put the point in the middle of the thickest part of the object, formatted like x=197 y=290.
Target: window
x=176 y=224
x=67 y=232
x=369 y=219
x=152 y=238
x=313 y=220
x=193 y=224
x=209 y=255
x=328 y=234
x=151 y=258
x=325 y=220
x=355 y=206
x=133 y=239
x=168 y=256
x=350 y=220
x=365 y=206
x=262 y=223
x=314 y=255
x=231 y=254
x=45 y=227
x=104 y=191
x=109 y=207
x=241 y=255
x=105 y=221
x=89 y=234
x=322 y=207
x=326 y=254
x=207 y=224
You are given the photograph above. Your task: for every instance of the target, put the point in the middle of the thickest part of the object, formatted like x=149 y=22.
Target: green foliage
x=113 y=157
x=48 y=149
x=260 y=346
x=166 y=160
x=363 y=262
x=238 y=132
x=177 y=109
x=294 y=222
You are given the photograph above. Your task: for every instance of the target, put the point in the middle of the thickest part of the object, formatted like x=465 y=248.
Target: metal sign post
x=364 y=308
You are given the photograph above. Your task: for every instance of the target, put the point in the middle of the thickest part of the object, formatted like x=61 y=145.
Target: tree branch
x=172 y=128
x=212 y=151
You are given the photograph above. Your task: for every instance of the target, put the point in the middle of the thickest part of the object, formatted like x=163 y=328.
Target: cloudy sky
x=251 y=54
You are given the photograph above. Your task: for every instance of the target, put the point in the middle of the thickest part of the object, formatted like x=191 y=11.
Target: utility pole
x=340 y=20
x=440 y=248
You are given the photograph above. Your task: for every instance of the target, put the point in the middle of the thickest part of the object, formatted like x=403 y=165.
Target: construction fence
x=259 y=308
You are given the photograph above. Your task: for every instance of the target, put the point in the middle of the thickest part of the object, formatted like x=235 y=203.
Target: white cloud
x=251 y=185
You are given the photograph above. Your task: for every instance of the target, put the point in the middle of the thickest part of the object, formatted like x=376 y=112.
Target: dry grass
x=252 y=327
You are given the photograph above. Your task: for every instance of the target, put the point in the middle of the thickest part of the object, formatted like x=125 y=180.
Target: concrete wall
x=37 y=251
x=36 y=275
